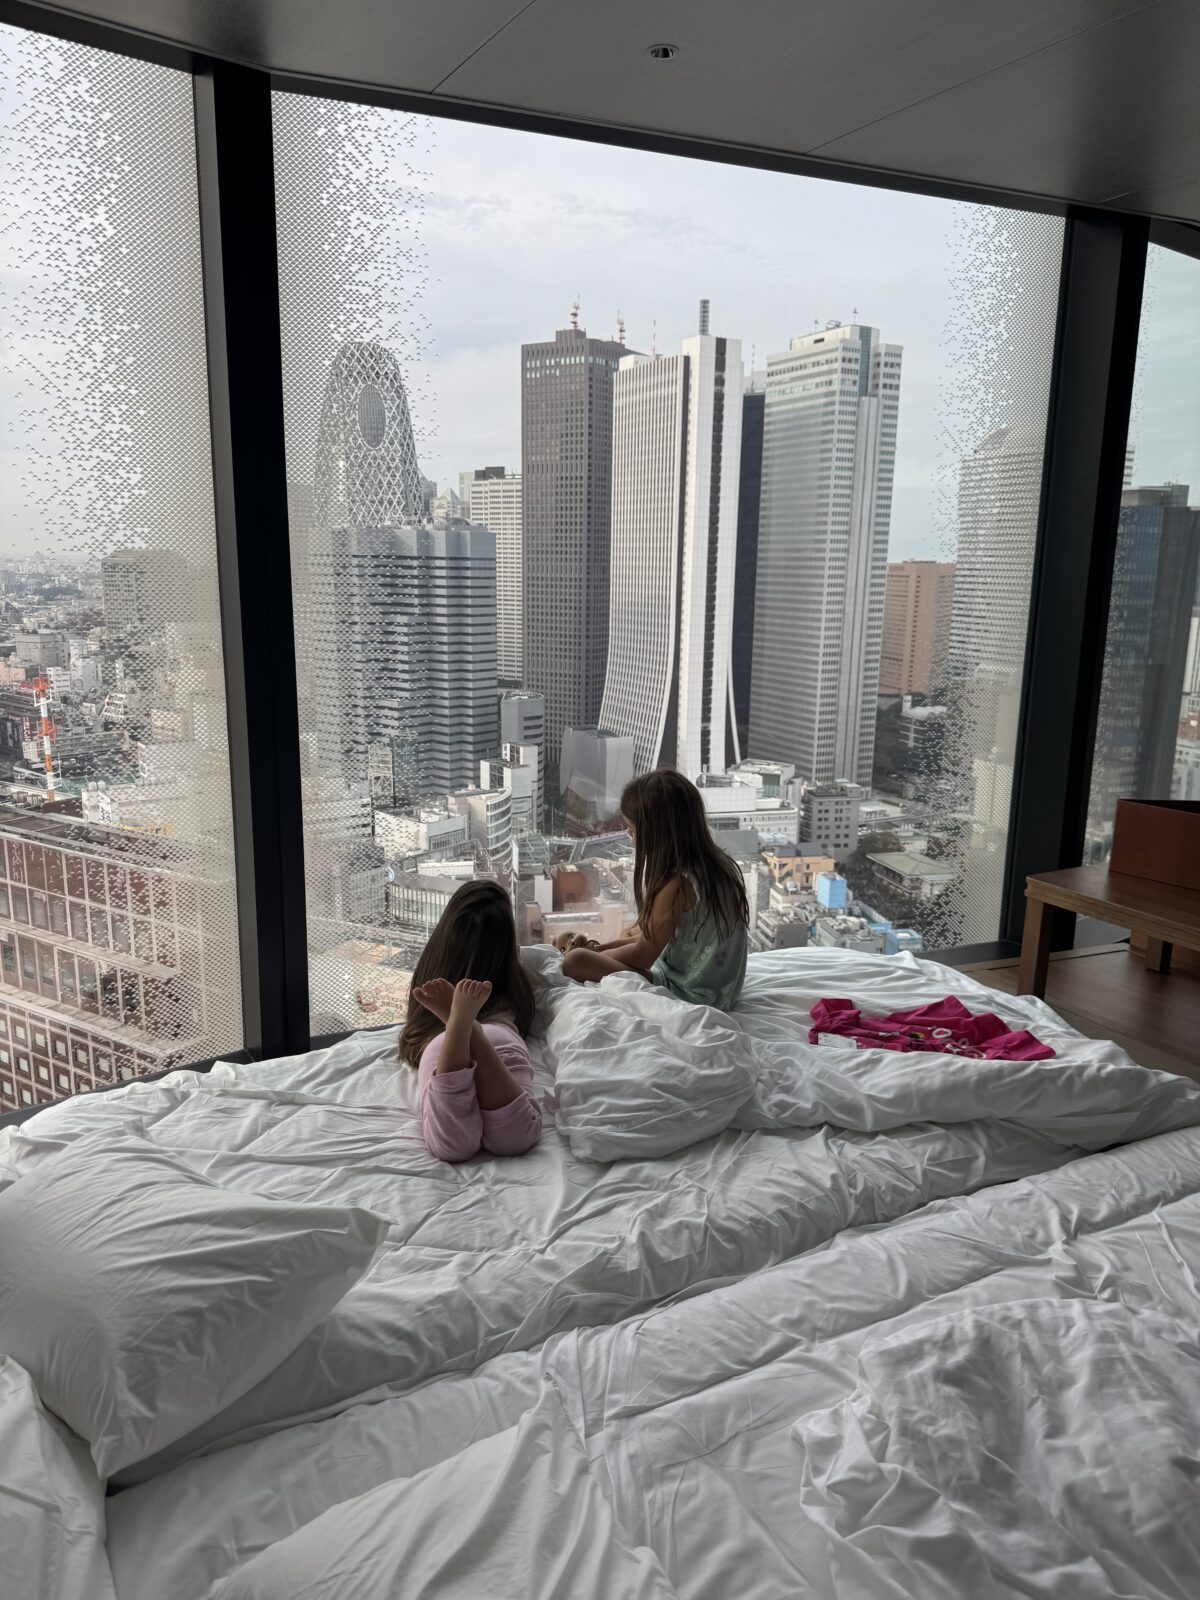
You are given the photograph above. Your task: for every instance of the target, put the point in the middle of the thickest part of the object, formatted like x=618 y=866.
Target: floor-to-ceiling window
x=118 y=926
x=601 y=459
x=1148 y=732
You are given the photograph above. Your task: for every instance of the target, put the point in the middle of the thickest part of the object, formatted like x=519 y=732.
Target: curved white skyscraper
x=398 y=617
x=366 y=466
x=677 y=428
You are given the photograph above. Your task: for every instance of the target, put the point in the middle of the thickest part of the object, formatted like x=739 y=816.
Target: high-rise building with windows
x=566 y=472
x=1149 y=621
x=829 y=451
x=917 y=609
x=493 y=500
x=115 y=957
x=143 y=588
x=754 y=400
x=677 y=430
x=398 y=618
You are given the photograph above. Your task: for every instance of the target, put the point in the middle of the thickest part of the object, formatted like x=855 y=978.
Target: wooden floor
x=1107 y=993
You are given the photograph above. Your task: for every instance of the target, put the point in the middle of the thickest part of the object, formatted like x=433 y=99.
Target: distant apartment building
x=829 y=455
x=677 y=428
x=829 y=819
x=1145 y=654
x=118 y=956
x=488 y=814
x=404 y=833
x=142 y=589
x=754 y=400
x=492 y=498
x=515 y=770
x=917 y=610
x=523 y=722
x=566 y=486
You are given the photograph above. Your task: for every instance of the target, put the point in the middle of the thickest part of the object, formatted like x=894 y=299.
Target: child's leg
x=589 y=966
x=451 y=1120
x=515 y=1125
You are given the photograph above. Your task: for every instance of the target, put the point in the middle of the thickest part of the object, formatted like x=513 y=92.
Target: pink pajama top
x=452 y=1124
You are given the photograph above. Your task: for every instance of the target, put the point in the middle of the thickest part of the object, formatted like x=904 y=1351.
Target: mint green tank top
x=699 y=964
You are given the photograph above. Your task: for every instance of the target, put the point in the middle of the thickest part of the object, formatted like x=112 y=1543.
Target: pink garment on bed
x=945 y=1026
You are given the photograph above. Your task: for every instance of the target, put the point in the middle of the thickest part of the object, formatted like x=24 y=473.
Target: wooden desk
x=1166 y=915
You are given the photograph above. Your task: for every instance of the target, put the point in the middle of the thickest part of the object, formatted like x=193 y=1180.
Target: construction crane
x=45 y=732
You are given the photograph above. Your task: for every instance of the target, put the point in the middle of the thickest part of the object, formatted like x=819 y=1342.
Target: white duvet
x=691 y=1306
x=690 y=1412
x=1040 y=1448
x=497 y=1256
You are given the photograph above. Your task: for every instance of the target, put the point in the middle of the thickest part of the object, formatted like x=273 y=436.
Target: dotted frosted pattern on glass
x=118 y=924
x=1000 y=331
x=395 y=606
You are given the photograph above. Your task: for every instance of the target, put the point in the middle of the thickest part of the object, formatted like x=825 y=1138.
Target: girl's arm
x=672 y=900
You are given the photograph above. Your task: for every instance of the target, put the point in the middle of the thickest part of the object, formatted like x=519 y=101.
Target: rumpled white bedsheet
x=689 y=1411
x=1040 y=1448
x=497 y=1256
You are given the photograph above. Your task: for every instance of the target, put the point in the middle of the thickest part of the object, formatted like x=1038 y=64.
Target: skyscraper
x=754 y=400
x=399 y=619
x=494 y=501
x=829 y=450
x=566 y=468
x=916 y=626
x=414 y=613
x=1145 y=653
x=999 y=494
x=677 y=429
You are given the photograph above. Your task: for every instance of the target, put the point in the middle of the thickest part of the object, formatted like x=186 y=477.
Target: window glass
x=1147 y=743
x=781 y=538
x=113 y=759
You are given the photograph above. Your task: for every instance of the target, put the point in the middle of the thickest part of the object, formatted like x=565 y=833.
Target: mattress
x=689 y=1412
x=685 y=1305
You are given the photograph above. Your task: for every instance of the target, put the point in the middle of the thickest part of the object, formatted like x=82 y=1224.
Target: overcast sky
x=514 y=226
x=517 y=225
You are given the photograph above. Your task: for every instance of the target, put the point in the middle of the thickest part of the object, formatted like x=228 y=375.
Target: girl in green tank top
x=693 y=916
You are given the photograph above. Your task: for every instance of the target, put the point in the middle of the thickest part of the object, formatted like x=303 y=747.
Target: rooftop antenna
x=704 y=316
x=575 y=315
x=654 y=339
x=620 y=327
x=854 y=313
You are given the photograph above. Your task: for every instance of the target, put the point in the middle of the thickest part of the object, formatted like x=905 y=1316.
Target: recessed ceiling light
x=662 y=52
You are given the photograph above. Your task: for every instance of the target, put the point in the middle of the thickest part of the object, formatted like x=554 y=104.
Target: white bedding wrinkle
x=495 y=1256
x=688 y=1411
x=1039 y=1448
x=516 y=1516
x=51 y=1502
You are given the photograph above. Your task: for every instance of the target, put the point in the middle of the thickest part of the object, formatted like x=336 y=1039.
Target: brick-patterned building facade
x=117 y=956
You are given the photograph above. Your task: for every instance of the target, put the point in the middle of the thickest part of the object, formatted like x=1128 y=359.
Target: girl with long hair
x=469 y=1010
x=692 y=914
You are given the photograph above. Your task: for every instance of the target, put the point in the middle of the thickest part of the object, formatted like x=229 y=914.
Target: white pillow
x=51 y=1502
x=639 y=1073
x=143 y=1298
x=515 y=1517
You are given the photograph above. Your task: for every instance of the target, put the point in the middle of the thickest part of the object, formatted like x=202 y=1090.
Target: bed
x=735 y=1326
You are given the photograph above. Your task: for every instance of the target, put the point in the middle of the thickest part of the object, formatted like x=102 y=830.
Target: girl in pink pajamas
x=469 y=1009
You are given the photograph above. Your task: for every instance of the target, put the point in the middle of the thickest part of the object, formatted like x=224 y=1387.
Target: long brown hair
x=475 y=937
x=671 y=838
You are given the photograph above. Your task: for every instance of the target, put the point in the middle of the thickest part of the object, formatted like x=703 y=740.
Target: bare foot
x=470 y=997
x=437 y=996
